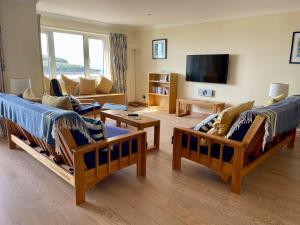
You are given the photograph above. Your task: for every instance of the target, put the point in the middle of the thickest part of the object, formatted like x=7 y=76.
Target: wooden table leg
x=156 y=136
x=102 y=117
x=118 y=123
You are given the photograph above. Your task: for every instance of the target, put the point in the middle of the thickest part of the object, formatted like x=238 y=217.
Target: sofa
x=252 y=137
x=69 y=145
x=88 y=90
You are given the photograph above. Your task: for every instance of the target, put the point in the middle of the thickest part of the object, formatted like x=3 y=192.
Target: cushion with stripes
x=96 y=128
x=206 y=124
x=75 y=102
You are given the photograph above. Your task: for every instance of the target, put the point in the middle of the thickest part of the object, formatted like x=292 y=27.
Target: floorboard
x=31 y=194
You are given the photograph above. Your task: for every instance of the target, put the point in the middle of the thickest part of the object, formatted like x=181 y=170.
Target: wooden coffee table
x=121 y=117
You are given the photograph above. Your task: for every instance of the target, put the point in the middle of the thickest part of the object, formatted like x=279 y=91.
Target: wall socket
x=205 y=92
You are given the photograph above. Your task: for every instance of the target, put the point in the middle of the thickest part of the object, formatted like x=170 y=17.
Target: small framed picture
x=295 y=50
x=159 y=49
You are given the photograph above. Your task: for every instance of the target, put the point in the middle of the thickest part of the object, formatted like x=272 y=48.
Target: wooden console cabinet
x=186 y=105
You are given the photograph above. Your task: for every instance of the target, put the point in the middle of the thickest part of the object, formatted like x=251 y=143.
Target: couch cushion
x=69 y=84
x=62 y=86
x=96 y=128
x=89 y=158
x=215 y=148
x=104 y=86
x=87 y=86
x=206 y=124
x=47 y=85
x=227 y=117
x=82 y=109
x=58 y=102
x=276 y=99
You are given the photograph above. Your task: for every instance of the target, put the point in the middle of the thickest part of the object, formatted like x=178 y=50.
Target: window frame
x=86 y=36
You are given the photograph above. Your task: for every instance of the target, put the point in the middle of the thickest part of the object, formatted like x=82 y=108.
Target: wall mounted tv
x=207 y=68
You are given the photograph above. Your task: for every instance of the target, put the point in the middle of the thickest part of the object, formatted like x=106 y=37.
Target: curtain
x=2 y=67
x=118 y=58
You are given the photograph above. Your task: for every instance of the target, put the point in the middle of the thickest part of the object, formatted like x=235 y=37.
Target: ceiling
x=162 y=13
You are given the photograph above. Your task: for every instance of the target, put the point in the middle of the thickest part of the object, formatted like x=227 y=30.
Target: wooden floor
x=31 y=194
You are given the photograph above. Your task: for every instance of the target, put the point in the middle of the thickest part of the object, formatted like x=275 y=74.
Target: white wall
x=20 y=42
x=70 y=24
x=259 y=49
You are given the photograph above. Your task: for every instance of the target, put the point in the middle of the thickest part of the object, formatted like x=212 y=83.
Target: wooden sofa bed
x=239 y=165
x=71 y=165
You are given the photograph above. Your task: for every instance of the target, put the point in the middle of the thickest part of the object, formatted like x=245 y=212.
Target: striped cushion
x=96 y=128
x=207 y=123
x=75 y=102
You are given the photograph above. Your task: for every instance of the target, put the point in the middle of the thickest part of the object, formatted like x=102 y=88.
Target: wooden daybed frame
x=72 y=167
x=239 y=166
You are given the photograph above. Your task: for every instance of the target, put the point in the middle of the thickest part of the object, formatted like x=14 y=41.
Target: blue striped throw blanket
x=42 y=121
x=281 y=117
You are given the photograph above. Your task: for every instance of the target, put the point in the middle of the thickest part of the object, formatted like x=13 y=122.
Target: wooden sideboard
x=186 y=104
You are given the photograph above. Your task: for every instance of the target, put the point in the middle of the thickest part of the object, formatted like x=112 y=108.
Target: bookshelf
x=162 y=91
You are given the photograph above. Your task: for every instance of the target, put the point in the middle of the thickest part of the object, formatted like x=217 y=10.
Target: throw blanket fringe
x=249 y=116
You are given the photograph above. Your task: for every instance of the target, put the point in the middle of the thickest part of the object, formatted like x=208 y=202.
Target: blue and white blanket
x=40 y=120
x=281 y=117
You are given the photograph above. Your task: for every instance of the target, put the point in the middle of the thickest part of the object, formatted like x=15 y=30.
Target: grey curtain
x=2 y=65
x=118 y=60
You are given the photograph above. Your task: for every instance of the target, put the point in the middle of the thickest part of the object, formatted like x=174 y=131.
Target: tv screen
x=207 y=68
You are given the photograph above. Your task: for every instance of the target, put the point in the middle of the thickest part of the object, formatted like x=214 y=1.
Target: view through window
x=45 y=54
x=73 y=54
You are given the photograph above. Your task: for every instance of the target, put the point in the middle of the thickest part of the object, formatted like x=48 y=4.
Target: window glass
x=96 y=57
x=69 y=55
x=45 y=54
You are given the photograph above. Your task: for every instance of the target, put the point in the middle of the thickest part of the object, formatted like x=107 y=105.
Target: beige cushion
x=104 y=86
x=29 y=95
x=278 y=98
x=227 y=117
x=63 y=86
x=87 y=86
x=70 y=85
x=47 y=85
x=58 y=102
x=77 y=90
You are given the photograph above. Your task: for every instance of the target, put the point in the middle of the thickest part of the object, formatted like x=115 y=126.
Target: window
x=45 y=53
x=96 y=57
x=73 y=54
x=69 y=59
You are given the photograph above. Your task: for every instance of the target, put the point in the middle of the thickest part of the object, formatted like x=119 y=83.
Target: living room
x=255 y=41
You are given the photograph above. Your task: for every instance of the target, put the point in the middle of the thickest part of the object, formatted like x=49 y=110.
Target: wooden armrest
x=109 y=141
x=223 y=140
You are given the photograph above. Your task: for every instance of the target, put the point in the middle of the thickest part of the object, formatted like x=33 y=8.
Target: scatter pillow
x=62 y=86
x=87 y=86
x=69 y=84
x=276 y=99
x=227 y=117
x=29 y=95
x=207 y=123
x=96 y=128
x=63 y=102
x=104 y=85
x=77 y=90
x=75 y=102
x=47 y=88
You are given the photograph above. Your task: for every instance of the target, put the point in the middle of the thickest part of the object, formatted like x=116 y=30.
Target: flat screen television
x=207 y=68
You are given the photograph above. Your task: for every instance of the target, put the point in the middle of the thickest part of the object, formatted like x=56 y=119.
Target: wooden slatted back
x=254 y=136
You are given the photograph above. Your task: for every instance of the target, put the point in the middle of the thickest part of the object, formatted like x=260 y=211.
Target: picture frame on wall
x=295 y=49
x=159 y=49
